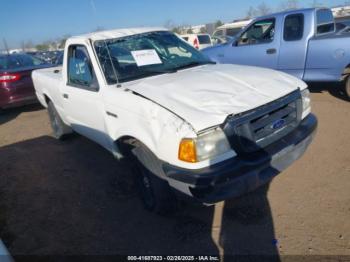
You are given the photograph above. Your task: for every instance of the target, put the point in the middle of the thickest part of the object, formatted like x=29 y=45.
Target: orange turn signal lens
x=187 y=150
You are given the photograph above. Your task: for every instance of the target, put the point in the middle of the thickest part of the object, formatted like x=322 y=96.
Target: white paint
x=179 y=105
x=110 y=34
x=205 y=96
x=146 y=57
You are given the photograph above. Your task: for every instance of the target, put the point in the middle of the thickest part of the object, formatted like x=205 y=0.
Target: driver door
x=82 y=99
x=256 y=46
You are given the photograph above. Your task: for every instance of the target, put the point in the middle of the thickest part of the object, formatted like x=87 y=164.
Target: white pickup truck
x=194 y=128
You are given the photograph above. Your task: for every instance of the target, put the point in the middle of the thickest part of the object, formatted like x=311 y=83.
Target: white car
x=198 y=41
x=193 y=127
x=230 y=29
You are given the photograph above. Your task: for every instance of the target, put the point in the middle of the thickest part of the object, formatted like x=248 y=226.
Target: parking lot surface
x=73 y=198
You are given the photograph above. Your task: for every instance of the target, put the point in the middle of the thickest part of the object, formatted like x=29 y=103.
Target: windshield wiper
x=162 y=71
x=146 y=73
x=195 y=63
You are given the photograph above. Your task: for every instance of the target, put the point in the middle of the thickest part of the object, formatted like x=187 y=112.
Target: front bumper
x=243 y=174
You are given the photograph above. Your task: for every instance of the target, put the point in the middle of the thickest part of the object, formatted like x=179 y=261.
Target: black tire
x=155 y=192
x=59 y=128
x=347 y=88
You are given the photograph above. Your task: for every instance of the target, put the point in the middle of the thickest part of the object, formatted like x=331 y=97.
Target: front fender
x=157 y=128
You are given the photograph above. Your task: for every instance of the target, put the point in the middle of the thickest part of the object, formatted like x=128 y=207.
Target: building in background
x=195 y=29
x=342 y=14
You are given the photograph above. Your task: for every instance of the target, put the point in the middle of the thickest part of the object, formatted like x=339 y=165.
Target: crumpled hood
x=204 y=96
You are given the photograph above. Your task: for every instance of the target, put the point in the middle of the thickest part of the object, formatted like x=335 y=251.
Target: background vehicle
x=218 y=40
x=231 y=29
x=147 y=95
x=302 y=43
x=340 y=26
x=16 y=86
x=58 y=59
x=198 y=41
x=50 y=57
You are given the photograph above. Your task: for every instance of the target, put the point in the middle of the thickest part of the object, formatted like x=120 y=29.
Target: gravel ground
x=74 y=198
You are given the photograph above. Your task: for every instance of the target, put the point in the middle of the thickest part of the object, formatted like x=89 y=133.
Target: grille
x=256 y=129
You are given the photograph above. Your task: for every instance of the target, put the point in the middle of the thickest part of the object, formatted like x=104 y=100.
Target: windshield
x=204 y=39
x=137 y=56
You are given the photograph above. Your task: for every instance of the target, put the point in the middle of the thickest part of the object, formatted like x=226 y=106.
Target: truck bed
x=329 y=66
x=50 y=72
x=47 y=81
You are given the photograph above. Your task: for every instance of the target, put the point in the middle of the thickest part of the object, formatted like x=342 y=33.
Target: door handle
x=271 y=51
x=65 y=96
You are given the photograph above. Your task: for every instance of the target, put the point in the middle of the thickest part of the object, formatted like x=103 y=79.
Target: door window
x=219 y=33
x=233 y=31
x=204 y=39
x=260 y=32
x=293 y=27
x=80 y=70
x=325 y=21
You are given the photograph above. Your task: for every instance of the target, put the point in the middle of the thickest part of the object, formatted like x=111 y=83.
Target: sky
x=40 y=20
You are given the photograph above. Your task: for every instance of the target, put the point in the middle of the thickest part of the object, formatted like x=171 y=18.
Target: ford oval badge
x=278 y=123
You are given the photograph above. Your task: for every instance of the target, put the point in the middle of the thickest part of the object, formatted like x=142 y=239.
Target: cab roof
x=292 y=11
x=117 y=33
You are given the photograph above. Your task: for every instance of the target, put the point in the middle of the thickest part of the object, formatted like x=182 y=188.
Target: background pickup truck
x=191 y=127
x=302 y=43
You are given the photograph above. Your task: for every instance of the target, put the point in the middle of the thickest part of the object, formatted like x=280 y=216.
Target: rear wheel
x=60 y=129
x=347 y=87
x=155 y=192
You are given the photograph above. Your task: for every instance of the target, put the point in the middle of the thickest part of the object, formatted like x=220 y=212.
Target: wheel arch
x=125 y=144
x=47 y=99
x=346 y=71
x=130 y=146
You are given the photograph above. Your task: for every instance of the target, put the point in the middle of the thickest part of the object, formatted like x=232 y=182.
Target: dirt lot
x=74 y=198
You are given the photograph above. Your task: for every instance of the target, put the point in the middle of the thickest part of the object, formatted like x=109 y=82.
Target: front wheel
x=59 y=128
x=155 y=192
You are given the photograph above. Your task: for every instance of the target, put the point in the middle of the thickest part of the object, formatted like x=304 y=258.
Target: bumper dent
x=243 y=174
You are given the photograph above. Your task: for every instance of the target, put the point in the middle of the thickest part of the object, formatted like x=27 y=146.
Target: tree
x=169 y=24
x=218 y=23
x=176 y=30
x=99 y=29
x=29 y=45
x=189 y=31
x=62 y=41
x=203 y=30
x=251 y=13
x=316 y=3
x=42 y=47
x=23 y=46
x=289 y=5
x=263 y=9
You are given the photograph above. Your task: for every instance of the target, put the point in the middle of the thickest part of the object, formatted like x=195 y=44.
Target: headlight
x=305 y=95
x=205 y=146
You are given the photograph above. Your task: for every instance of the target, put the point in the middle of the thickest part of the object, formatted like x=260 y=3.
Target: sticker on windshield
x=146 y=57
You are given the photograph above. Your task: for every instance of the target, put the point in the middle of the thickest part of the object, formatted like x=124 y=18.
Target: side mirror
x=235 y=43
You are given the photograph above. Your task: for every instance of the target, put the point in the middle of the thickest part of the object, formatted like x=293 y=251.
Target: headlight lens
x=205 y=146
x=305 y=95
